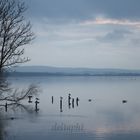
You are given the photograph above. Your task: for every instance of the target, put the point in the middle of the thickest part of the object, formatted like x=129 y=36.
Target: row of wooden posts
x=71 y=102
x=29 y=101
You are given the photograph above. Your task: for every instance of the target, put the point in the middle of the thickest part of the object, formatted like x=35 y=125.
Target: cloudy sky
x=85 y=33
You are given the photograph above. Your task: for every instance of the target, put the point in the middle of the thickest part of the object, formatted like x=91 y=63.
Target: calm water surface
x=99 y=115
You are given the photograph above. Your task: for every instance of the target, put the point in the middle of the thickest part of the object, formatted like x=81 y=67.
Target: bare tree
x=15 y=32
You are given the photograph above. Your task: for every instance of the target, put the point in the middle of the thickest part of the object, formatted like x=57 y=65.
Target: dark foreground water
x=100 y=113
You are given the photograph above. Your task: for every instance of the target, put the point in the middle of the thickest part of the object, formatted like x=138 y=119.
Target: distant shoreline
x=35 y=71
x=39 y=74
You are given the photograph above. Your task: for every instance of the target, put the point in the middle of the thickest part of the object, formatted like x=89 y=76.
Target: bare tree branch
x=15 y=33
x=18 y=95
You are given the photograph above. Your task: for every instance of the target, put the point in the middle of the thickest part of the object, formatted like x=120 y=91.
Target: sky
x=85 y=33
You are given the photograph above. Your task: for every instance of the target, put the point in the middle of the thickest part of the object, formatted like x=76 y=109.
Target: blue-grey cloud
x=114 y=36
x=83 y=9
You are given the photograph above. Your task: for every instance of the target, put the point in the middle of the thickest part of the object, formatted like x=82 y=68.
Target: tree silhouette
x=15 y=32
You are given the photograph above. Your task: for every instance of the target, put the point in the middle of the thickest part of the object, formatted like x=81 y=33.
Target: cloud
x=84 y=9
x=72 y=34
x=115 y=36
x=109 y=21
x=85 y=33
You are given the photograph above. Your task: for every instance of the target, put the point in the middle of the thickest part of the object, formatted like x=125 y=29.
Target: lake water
x=100 y=113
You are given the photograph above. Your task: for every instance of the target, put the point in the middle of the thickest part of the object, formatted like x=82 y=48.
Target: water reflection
x=2 y=129
x=4 y=85
x=76 y=115
x=15 y=112
x=12 y=101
